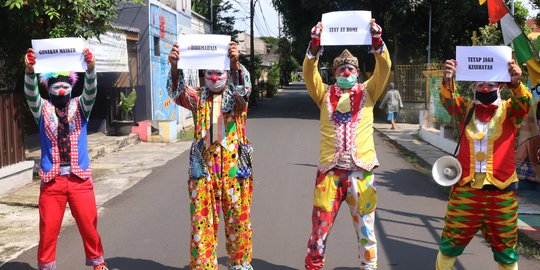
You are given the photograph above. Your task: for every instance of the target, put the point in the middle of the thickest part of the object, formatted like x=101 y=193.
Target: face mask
x=487 y=98
x=60 y=101
x=217 y=86
x=346 y=82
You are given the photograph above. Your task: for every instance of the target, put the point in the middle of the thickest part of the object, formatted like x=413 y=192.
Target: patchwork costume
x=220 y=176
x=485 y=196
x=347 y=155
x=65 y=171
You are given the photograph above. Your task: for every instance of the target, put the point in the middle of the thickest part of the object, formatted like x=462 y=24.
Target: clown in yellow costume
x=220 y=176
x=347 y=149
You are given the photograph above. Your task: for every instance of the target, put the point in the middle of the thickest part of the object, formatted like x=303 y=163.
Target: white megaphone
x=446 y=171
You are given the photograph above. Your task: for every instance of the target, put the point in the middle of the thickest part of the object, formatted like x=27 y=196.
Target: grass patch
x=527 y=246
x=187 y=134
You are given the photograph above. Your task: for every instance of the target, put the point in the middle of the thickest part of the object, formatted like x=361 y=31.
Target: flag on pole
x=512 y=33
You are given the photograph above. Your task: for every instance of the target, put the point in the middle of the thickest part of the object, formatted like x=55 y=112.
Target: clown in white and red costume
x=220 y=177
x=347 y=149
x=485 y=197
x=65 y=171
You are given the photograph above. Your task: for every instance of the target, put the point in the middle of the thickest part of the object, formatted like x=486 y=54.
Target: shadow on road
x=409 y=182
x=122 y=263
x=260 y=264
x=16 y=266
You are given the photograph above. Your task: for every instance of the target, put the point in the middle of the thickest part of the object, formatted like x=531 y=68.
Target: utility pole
x=252 y=42
x=429 y=38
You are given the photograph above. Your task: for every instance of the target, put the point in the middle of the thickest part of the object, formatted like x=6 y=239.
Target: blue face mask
x=346 y=82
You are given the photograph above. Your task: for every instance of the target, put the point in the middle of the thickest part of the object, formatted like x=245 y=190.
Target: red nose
x=485 y=90
x=347 y=73
x=62 y=92
x=214 y=78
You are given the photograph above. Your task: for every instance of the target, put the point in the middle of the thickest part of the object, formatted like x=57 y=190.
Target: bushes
x=273 y=80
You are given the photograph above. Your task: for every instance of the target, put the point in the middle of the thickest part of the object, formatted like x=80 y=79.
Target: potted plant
x=123 y=126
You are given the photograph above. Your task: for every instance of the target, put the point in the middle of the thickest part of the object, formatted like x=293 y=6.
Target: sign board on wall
x=111 y=53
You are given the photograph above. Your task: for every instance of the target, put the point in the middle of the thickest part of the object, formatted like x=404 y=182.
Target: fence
x=11 y=128
x=410 y=81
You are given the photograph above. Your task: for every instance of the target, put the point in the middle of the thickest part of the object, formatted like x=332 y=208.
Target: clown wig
x=52 y=77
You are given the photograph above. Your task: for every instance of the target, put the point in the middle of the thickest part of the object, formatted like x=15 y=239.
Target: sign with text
x=59 y=54
x=111 y=53
x=483 y=63
x=346 y=28
x=204 y=52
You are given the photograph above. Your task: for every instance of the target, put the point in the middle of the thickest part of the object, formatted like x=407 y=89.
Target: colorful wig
x=52 y=77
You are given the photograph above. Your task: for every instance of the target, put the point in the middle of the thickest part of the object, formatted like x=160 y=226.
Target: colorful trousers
x=357 y=188
x=220 y=192
x=53 y=197
x=493 y=212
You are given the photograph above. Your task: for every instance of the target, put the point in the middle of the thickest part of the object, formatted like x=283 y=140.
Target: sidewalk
x=117 y=164
x=406 y=135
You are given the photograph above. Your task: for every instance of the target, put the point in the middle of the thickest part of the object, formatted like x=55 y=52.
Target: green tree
x=404 y=22
x=221 y=15
x=23 y=20
x=272 y=43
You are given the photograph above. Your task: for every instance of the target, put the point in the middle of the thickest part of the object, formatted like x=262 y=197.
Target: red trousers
x=53 y=197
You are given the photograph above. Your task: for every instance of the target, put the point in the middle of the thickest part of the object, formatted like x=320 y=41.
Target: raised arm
x=89 y=93
x=451 y=100
x=31 y=90
x=177 y=90
x=375 y=85
x=520 y=99
x=240 y=77
x=314 y=83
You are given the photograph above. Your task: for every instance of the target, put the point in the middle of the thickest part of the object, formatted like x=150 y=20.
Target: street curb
x=101 y=150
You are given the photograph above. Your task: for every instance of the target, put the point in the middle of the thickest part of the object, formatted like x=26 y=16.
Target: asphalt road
x=147 y=227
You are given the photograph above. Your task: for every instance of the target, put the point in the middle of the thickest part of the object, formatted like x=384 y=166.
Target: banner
x=346 y=28
x=111 y=53
x=204 y=52
x=59 y=54
x=483 y=63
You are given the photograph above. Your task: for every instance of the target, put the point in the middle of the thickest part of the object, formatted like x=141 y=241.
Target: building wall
x=244 y=44
x=136 y=16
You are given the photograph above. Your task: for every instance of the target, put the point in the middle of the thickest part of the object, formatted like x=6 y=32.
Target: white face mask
x=221 y=82
x=217 y=86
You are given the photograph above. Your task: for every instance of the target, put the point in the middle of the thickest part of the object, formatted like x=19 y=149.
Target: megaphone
x=446 y=171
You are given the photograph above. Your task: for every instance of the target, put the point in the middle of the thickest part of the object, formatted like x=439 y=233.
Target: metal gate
x=11 y=128
x=410 y=81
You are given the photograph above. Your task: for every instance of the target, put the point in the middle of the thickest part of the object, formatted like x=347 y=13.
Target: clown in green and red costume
x=485 y=196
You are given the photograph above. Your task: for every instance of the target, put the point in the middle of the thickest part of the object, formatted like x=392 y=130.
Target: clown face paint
x=215 y=80
x=60 y=89
x=486 y=92
x=346 y=76
x=60 y=94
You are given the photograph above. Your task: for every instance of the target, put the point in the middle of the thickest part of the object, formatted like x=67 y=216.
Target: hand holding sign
x=204 y=52
x=376 y=33
x=89 y=59
x=515 y=74
x=30 y=60
x=234 y=55
x=316 y=34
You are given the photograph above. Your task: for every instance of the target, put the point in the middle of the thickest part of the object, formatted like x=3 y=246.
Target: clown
x=347 y=150
x=485 y=196
x=220 y=177
x=65 y=171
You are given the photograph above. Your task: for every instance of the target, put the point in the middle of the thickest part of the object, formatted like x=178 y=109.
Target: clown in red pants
x=79 y=194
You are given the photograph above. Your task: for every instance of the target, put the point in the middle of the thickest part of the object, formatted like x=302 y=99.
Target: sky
x=266 y=22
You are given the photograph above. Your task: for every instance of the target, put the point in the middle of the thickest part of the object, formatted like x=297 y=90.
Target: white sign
x=204 y=52
x=483 y=63
x=59 y=54
x=346 y=28
x=111 y=53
